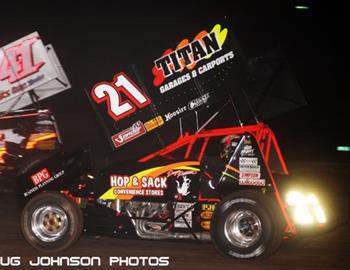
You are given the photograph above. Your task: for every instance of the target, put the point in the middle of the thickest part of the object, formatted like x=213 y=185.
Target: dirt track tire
x=51 y=222
x=247 y=225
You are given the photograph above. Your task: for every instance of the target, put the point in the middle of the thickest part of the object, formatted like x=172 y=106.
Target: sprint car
x=179 y=192
x=189 y=166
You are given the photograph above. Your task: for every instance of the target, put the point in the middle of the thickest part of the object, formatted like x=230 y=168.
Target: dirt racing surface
x=329 y=250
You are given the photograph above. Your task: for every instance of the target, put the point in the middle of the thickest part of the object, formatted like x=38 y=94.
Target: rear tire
x=51 y=222
x=247 y=225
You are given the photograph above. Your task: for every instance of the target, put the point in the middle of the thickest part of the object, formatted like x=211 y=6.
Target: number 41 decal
x=110 y=93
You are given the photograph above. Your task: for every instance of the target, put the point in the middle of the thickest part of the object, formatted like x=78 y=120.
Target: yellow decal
x=206 y=215
x=221 y=35
x=205 y=225
x=154 y=123
x=208 y=207
x=111 y=194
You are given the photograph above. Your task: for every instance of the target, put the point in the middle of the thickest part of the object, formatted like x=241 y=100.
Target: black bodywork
x=184 y=209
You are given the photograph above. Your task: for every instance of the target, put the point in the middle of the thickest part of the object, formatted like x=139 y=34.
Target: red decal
x=249 y=175
x=18 y=62
x=129 y=134
x=110 y=93
x=40 y=176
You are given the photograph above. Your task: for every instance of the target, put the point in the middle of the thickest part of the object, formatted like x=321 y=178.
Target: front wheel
x=51 y=222
x=247 y=225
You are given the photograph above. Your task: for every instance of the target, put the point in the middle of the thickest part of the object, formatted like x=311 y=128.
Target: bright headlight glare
x=319 y=213
x=302 y=216
x=311 y=198
x=307 y=208
x=295 y=198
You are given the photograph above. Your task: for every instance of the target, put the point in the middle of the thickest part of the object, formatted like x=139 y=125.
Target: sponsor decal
x=249 y=168
x=180 y=173
x=247 y=150
x=206 y=215
x=40 y=176
x=212 y=64
x=154 y=123
x=179 y=209
x=24 y=65
x=160 y=171
x=179 y=111
x=129 y=134
x=252 y=182
x=41 y=179
x=248 y=161
x=249 y=175
x=17 y=61
x=194 y=73
x=185 y=57
x=144 y=186
x=208 y=207
x=183 y=188
x=172 y=84
x=198 y=102
x=205 y=224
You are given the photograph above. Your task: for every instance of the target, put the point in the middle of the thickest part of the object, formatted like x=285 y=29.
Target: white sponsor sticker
x=179 y=209
x=247 y=150
x=252 y=182
x=249 y=168
x=248 y=161
x=198 y=102
x=129 y=134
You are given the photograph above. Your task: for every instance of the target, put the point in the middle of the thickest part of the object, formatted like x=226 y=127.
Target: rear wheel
x=51 y=222
x=247 y=225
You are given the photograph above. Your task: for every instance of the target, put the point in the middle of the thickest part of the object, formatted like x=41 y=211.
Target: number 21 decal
x=110 y=93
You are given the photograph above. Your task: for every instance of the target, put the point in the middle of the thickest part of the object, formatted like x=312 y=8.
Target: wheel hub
x=243 y=228
x=49 y=223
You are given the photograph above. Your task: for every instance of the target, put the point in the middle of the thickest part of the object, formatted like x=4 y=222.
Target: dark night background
x=92 y=40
